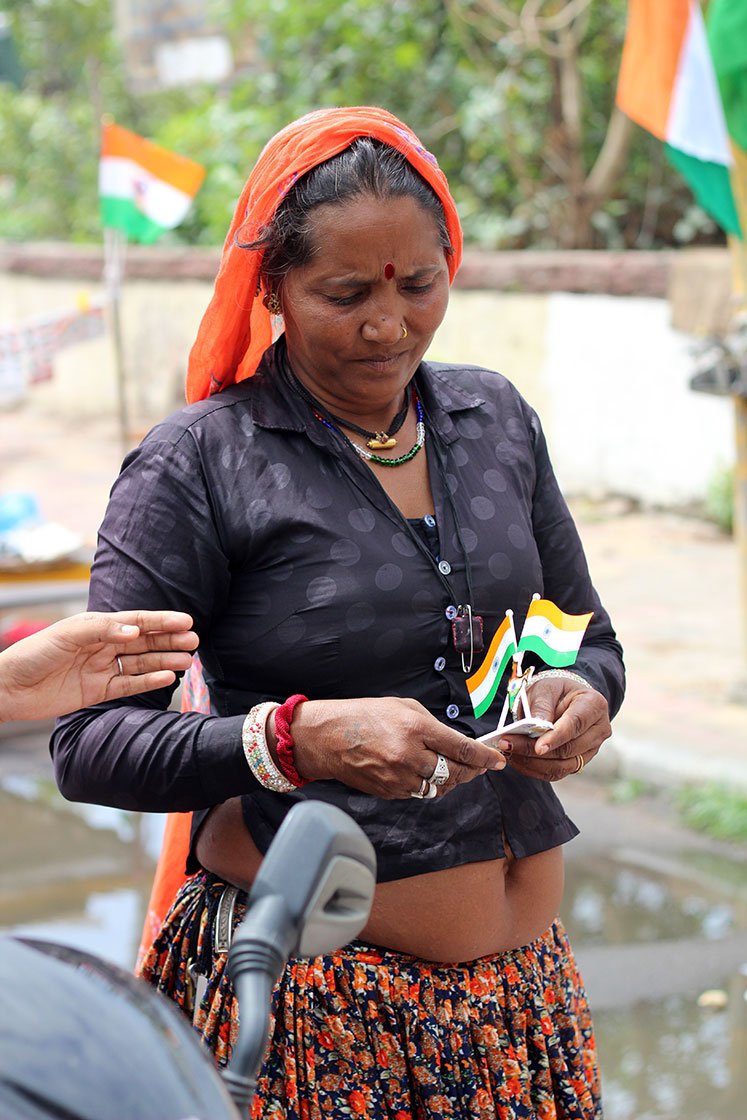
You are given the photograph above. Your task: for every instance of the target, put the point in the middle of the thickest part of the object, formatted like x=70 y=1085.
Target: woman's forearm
x=138 y=758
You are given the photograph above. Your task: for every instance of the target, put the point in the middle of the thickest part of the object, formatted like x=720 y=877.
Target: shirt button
x=439 y=664
x=430 y=520
x=452 y=711
x=444 y=567
x=450 y=612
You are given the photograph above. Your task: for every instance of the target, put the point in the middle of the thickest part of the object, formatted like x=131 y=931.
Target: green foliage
x=625 y=790
x=718 y=810
x=719 y=503
x=485 y=105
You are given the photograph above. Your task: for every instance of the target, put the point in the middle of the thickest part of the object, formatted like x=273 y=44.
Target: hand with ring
x=91 y=657
x=581 y=718
x=387 y=746
x=439 y=777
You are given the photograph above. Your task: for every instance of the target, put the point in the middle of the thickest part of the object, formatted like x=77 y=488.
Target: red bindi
x=388 y=271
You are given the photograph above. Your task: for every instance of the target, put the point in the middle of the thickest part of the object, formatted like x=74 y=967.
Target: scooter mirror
x=323 y=867
x=313 y=894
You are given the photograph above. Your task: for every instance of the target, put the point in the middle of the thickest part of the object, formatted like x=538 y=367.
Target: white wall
x=607 y=374
x=610 y=380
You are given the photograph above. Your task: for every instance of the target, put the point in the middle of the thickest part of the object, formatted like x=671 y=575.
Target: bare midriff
x=457 y=914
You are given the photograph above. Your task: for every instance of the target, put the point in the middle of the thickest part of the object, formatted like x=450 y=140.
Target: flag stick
x=739 y=272
x=115 y=245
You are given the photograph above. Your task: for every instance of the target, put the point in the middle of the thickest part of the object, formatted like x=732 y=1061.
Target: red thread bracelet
x=284 y=744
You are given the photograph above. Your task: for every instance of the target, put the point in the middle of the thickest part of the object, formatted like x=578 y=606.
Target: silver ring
x=119 y=666
x=440 y=775
x=427 y=790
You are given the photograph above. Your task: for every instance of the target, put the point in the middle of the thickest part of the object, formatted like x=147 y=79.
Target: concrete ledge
x=596 y=271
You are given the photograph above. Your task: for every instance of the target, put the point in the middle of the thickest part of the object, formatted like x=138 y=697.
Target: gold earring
x=272 y=303
x=404 y=333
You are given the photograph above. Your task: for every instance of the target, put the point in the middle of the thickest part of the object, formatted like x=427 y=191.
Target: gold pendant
x=381 y=442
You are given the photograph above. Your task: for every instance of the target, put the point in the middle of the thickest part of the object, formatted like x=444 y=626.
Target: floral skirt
x=369 y=1032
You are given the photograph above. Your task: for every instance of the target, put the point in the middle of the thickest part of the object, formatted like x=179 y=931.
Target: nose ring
x=404 y=333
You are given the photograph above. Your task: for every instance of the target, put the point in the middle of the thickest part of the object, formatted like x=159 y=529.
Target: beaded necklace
x=326 y=418
x=377 y=441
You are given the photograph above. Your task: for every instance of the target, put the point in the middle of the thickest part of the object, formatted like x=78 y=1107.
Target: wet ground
x=657 y=915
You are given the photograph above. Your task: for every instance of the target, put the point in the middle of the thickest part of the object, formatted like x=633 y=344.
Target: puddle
x=77 y=874
x=608 y=901
x=81 y=875
x=671 y=1060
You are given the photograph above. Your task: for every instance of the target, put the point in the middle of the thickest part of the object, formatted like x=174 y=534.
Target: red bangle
x=284 y=740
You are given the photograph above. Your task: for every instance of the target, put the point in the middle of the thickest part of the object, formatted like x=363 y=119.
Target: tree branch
x=612 y=155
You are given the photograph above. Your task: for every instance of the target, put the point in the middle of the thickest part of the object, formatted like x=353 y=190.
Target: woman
x=339 y=515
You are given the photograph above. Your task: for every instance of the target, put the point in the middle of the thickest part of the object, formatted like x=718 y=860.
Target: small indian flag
x=144 y=189
x=553 y=635
x=483 y=685
x=668 y=85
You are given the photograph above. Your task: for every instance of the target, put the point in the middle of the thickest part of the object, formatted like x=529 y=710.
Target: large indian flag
x=553 y=635
x=668 y=85
x=483 y=685
x=144 y=189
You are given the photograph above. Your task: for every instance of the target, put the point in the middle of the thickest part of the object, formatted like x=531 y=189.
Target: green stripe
x=727 y=39
x=711 y=185
x=121 y=213
x=481 y=708
x=557 y=658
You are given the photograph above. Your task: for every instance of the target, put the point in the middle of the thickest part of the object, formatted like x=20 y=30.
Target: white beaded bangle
x=257 y=753
x=560 y=673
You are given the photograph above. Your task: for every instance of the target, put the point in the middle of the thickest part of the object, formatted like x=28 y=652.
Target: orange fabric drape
x=236 y=328
x=170 y=873
x=168 y=878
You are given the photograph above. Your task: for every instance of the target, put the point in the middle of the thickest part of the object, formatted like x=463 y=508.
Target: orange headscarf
x=236 y=329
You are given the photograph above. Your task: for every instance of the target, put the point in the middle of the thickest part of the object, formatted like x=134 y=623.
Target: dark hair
x=367 y=167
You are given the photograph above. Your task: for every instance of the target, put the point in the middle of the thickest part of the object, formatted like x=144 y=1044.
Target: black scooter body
x=81 y=1039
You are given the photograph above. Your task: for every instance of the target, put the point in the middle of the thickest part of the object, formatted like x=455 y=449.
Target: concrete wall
x=608 y=373
x=609 y=377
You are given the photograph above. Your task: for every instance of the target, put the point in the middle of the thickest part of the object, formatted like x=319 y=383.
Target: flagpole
x=115 y=245
x=739 y=284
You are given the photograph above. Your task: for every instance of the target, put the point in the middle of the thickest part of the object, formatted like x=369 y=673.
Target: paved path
x=670 y=583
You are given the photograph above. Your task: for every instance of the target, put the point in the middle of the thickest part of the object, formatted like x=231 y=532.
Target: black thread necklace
x=375 y=441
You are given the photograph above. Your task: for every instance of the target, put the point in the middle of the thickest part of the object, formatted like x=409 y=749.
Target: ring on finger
x=579 y=764
x=440 y=775
x=119 y=666
x=426 y=791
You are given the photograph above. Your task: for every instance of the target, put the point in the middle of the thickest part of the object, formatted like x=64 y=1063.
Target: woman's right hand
x=385 y=746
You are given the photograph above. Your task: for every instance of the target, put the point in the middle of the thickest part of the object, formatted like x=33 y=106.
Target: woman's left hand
x=582 y=723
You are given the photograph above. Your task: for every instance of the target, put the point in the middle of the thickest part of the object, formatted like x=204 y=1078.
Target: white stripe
x=696 y=123
x=564 y=641
x=158 y=200
x=483 y=689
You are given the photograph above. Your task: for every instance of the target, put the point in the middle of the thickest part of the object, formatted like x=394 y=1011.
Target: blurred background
x=593 y=278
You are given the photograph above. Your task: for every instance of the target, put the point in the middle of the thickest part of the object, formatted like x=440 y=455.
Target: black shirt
x=302 y=576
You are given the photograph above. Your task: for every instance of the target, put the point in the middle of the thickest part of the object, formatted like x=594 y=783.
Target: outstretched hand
x=582 y=723
x=92 y=657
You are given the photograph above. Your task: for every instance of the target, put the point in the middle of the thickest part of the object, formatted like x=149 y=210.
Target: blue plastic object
x=18 y=508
